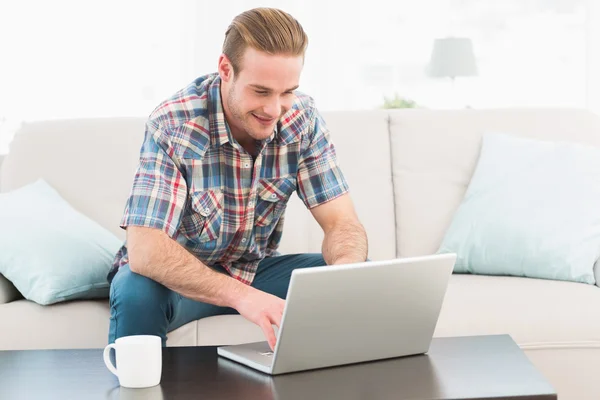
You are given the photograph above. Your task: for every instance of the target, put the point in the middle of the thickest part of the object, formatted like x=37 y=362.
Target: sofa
x=408 y=171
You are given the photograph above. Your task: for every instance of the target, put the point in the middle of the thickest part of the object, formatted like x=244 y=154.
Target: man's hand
x=264 y=310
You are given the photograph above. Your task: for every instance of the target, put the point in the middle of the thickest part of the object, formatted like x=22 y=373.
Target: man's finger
x=265 y=325
x=276 y=318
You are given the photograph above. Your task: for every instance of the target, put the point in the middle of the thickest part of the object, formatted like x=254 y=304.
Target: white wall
x=593 y=55
x=69 y=58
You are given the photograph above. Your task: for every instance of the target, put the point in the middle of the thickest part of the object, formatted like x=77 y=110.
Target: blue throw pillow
x=48 y=250
x=532 y=209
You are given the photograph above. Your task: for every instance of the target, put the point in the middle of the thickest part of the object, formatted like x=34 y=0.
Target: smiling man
x=219 y=162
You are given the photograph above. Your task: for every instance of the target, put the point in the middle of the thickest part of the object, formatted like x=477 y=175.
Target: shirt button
x=247 y=165
x=244 y=240
x=273 y=196
x=207 y=210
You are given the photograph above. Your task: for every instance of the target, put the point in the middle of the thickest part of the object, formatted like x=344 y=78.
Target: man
x=218 y=164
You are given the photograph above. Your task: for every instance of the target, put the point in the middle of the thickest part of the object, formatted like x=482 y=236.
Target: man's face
x=261 y=92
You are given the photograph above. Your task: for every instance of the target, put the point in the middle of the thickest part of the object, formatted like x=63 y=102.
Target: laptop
x=346 y=314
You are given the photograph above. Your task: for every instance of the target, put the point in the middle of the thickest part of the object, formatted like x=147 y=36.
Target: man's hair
x=265 y=29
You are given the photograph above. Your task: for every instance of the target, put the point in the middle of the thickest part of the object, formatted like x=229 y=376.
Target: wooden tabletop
x=474 y=367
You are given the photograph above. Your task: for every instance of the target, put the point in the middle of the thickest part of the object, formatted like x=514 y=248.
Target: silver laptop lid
x=337 y=315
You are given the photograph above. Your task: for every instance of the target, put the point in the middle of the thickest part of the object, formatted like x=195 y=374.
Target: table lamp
x=452 y=57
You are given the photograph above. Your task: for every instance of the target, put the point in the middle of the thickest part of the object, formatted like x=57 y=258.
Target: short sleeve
x=159 y=193
x=320 y=178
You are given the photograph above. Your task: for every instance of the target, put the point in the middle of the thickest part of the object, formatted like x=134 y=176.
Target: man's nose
x=273 y=108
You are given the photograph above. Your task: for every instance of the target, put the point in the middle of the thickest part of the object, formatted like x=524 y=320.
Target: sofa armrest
x=8 y=292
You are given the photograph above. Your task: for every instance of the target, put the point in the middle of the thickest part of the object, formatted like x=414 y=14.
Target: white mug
x=139 y=360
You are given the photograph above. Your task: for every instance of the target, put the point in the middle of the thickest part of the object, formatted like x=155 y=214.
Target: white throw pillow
x=48 y=250
x=532 y=209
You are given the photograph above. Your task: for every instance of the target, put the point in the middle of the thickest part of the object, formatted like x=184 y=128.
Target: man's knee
x=129 y=289
x=138 y=305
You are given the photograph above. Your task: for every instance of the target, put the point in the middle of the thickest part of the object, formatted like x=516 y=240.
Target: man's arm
x=345 y=239
x=324 y=190
x=155 y=255
x=160 y=185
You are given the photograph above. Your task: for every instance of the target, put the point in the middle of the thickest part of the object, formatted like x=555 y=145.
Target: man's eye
x=261 y=92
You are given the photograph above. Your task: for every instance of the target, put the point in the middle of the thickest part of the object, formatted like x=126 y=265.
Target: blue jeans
x=141 y=306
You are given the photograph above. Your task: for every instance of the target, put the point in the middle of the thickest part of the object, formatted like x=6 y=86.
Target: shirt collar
x=219 y=130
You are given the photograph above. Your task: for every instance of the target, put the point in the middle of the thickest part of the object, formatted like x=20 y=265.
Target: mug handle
x=107 y=361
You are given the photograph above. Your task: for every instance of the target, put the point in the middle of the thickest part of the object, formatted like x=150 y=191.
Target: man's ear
x=225 y=68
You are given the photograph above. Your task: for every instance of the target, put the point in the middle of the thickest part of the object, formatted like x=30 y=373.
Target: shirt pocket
x=205 y=219
x=273 y=195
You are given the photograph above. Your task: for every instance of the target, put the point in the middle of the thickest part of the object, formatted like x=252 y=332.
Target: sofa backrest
x=435 y=152
x=90 y=162
x=405 y=194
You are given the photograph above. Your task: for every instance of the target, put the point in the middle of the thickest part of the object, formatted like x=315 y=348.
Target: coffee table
x=471 y=367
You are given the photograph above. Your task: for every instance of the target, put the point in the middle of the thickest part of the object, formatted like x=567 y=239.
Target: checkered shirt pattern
x=199 y=186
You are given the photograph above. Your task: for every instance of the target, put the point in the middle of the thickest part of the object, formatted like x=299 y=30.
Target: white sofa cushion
x=84 y=324
x=72 y=325
x=228 y=329
x=537 y=313
x=434 y=155
x=77 y=324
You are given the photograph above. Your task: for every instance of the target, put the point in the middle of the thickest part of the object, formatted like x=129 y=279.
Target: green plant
x=398 y=102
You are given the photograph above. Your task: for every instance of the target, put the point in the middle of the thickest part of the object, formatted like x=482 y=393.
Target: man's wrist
x=234 y=293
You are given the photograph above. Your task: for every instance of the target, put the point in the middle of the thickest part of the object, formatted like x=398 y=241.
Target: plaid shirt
x=199 y=186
